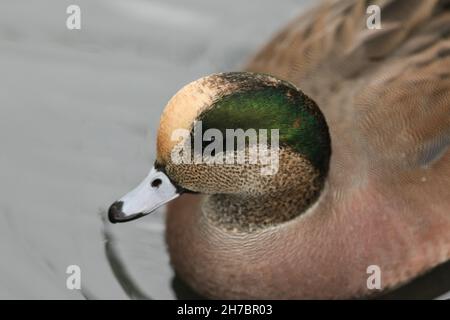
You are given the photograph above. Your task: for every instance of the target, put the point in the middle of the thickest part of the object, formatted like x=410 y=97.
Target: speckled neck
x=283 y=197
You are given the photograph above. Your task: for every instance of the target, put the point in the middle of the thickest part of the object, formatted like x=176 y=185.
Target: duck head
x=245 y=140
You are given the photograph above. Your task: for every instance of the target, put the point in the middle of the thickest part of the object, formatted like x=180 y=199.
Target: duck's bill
x=149 y=195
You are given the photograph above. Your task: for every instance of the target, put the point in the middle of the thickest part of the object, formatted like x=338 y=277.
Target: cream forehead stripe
x=196 y=97
x=185 y=106
x=188 y=103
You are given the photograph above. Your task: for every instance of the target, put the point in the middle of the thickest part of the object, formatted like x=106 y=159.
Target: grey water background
x=78 y=117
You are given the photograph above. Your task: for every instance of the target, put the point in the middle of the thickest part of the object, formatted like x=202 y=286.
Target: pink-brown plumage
x=386 y=97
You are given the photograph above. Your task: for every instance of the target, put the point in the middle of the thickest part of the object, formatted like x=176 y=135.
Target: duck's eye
x=156 y=183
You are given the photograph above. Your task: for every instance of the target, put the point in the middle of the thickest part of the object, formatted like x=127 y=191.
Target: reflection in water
x=118 y=267
x=126 y=280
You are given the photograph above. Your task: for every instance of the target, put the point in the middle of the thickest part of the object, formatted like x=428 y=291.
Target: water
x=78 y=118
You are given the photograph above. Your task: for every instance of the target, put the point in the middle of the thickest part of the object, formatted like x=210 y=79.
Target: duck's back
x=334 y=37
x=385 y=92
x=386 y=97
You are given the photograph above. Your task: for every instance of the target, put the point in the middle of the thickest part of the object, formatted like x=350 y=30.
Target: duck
x=363 y=176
